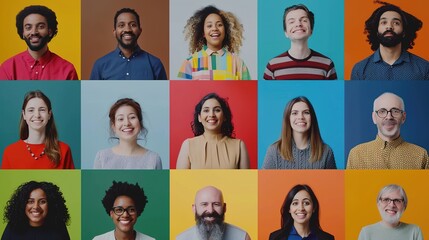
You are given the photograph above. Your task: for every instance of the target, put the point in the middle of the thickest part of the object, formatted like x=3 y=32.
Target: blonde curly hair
x=194 y=30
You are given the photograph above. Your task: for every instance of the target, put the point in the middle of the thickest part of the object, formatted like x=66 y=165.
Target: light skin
x=210 y=199
x=124 y=224
x=390 y=20
x=301 y=210
x=36 y=27
x=298 y=30
x=37 y=208
x=300 y=120
x=127 y=128
x=214 y=31
x=37 y=116
x=127 y=31
x=391 y=212
x=389 y=127
x=212 y=118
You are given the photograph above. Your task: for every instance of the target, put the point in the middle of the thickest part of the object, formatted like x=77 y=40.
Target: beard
x=130 y=45
x=389 y=41
x=43 y=41
x=210 y=230
x=393 y=220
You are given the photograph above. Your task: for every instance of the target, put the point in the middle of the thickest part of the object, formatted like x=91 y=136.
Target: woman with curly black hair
x=215 y=37
x=124 y=203
x=214 y=145
x=36 y=210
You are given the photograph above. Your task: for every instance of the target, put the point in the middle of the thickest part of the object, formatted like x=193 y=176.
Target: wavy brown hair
x=52 y=146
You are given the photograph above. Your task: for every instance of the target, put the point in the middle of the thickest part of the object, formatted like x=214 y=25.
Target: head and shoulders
x=391 y=202
x=209 y=209
x=300 y=215
x=124 y=203
x=37 y=207
x=391 y=32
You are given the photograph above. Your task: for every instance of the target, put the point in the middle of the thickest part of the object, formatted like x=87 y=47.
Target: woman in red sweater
x=38 y=147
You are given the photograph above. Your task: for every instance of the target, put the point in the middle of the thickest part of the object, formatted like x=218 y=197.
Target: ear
x=193 y=208
x=49 y=115
x=114 y=32
x=374 y=117
x=224 y=207
x=50 y=33
x=112 y=214
x=286 y=35
x=199 y=118
x=23 y=115
x=404 y=117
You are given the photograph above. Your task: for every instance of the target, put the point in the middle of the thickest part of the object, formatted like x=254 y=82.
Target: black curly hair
x=411 y=26
x=15 y=208
x=134 y=191
x=227 y=128
x=50 y=16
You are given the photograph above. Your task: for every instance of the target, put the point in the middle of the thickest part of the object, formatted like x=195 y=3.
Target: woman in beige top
x=214 y=145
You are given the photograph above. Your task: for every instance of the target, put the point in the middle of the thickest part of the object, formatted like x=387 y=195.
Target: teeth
x=125 y=221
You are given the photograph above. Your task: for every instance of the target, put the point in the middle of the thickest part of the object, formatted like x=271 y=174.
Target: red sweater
x=16 y=156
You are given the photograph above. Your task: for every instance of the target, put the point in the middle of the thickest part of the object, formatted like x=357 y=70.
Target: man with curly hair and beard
x=37 y=26
x=124 y=203
x=209 y=209
x=36 y=210
x=391 y=32
x=128 y=61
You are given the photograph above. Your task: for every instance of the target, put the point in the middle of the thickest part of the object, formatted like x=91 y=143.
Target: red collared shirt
x=49 y=67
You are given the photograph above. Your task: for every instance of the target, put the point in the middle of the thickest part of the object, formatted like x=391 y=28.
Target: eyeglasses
x=120 y=210
x=382 y=112
x=396 y=201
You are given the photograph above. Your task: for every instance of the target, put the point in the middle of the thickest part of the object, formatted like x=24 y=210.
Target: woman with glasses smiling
x=124 y=203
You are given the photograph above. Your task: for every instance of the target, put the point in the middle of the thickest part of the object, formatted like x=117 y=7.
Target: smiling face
x=36 y=208
x=125 y=222
x=127 y=30
x=388 y=127
x=209 y=206
x=301 y=208
x=36 y=32
x=211 y=116
x=36 y=114
x=214 y=31
x=127 y=125
x=297 y=25
x=391 y=212
x=300 y=118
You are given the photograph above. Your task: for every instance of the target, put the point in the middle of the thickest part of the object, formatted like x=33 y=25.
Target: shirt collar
x=209 y=52
x=294 y=232
x=384 y=144
x=43 y=60
x=405 y=57
x=136 y=52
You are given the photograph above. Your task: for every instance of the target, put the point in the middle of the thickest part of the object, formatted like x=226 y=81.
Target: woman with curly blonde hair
x=215 y=37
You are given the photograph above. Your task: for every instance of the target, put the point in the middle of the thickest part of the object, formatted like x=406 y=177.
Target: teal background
x=154 y=221
x=327 y=37
x=67 y=180
x=327 y=99
x=65 y=100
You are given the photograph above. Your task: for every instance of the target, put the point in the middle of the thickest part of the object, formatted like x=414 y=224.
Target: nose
x=126 y=122
x=36 y=113
x=209 y=208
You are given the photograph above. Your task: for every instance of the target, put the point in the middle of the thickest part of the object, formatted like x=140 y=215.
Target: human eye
x=307 y=112
x=205 y=110
x=41 y=26
x=294 y=113
x=295 y=203
x=43 y=201
x=204 y=204
x=307 y=203
x=131 y=210
x=27 y=27
x=382 y=111
x=30 y=201
x=121 y=25
x=397 y=201
x=118 y=210
x=218 y=109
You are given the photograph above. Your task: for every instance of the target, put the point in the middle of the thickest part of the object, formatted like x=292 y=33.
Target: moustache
x=129 y=33
x=389 y=32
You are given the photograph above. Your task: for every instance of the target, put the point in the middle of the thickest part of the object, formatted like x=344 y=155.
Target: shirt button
x=128 y=60
x=128 y=74
x=43 y=67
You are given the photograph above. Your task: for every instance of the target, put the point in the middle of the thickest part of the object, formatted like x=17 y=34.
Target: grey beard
x=213 y=231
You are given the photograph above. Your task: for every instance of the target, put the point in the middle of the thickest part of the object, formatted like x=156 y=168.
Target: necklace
x=34 y=155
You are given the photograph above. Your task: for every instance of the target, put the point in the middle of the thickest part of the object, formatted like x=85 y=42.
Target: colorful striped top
x=314 y=67
x=207 y=64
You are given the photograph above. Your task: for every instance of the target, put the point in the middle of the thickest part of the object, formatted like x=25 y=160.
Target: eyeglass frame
x=124 y=210
x=400 y=112
x=395 y=201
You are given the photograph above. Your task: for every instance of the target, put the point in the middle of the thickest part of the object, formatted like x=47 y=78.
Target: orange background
x=357 y=12
x=327 y=185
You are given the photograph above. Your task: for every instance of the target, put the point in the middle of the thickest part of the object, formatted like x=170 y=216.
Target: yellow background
x=362 y=187
x=66 y=43
x=239 y=190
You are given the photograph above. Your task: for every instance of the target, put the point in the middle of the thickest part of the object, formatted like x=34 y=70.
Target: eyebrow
x=395 y=19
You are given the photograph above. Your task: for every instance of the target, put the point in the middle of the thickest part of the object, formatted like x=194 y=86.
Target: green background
x=67 y=180
x=154 y=221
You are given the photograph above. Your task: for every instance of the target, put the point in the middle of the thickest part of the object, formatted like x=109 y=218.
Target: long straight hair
x=52 y=146
x=285 y=143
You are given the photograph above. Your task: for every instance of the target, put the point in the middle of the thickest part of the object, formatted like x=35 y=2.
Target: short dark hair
x=126 y=10
x=411 y=25
x=57 y=210
x=134 y=191
x=310 y=14
x=50 y=16
x=227 y=128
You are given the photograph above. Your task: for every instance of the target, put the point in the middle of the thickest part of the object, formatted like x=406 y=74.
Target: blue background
x=327 y=37
x=327 y=99
x=360 y=96
x=99 y=96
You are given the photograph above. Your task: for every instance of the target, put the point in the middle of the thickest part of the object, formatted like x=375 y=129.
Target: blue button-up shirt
x=140 y=66
x=295 y=236
x=407 y=67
